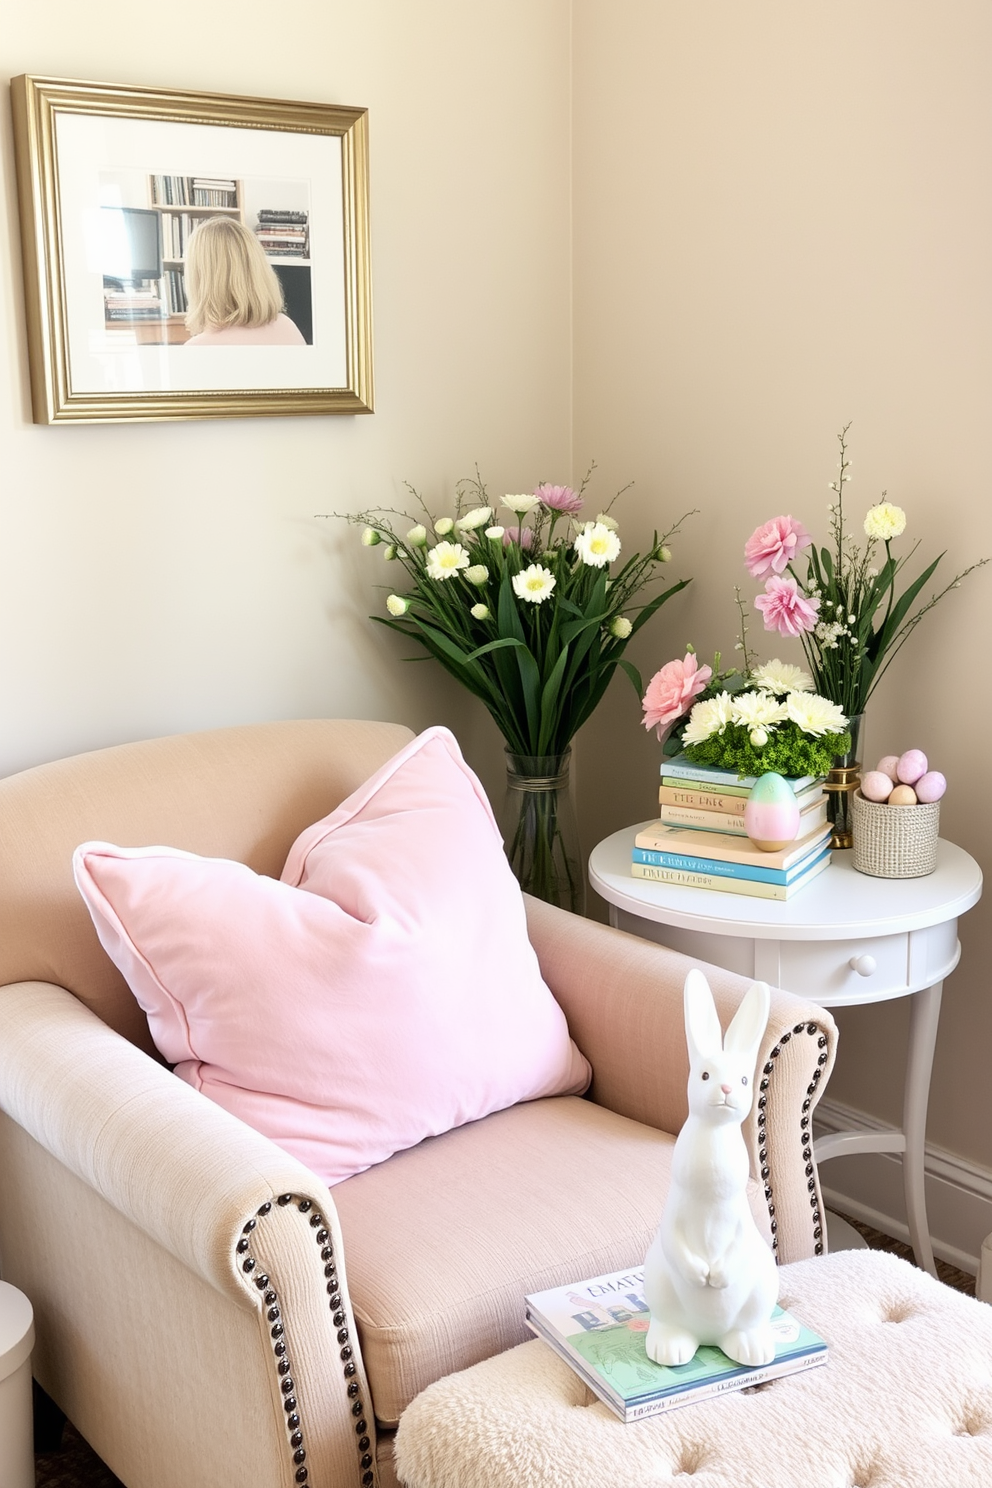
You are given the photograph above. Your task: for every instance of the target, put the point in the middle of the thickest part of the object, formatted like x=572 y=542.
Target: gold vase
x=841 y=783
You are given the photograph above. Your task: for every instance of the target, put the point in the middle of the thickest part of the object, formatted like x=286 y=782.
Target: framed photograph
x=192 y=255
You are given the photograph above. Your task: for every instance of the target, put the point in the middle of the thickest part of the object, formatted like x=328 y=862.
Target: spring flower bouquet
x=763 y=718
x=531 y=609
x=845 y=609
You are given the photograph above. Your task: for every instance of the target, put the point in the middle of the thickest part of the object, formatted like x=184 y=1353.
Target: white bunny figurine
x=710 y=1277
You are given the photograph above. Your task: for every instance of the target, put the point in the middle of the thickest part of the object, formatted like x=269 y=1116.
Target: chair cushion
x=382 y=991
x=443 y=1241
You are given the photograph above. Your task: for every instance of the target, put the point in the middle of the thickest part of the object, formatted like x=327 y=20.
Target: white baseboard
x=869 y=1187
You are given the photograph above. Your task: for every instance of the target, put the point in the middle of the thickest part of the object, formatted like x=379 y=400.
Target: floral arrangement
x=525 y=611
x=845 y=609
x=764 y=718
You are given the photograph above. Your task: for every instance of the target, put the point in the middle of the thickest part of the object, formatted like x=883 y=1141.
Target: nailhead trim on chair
x=768 y=1070
x=339 y=1318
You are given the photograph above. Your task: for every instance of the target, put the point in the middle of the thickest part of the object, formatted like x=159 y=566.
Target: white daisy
x=520 y=504
x=444 y=525
x=477 y=574
x=478 y=517
x=534 y=584
x=397 y=605
x=446 y=560
x=596 y=545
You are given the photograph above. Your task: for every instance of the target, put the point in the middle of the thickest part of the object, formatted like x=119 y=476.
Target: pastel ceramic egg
x=888 y=766
x=771 y=813
x=911 y=766
x=903 y=795
x=876 y=785
x=931 y=786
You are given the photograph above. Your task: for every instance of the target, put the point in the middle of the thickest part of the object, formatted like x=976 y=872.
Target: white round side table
x=16 y=1434
x=845 y=940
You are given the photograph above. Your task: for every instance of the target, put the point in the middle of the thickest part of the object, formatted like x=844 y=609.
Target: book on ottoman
x=599 y=1327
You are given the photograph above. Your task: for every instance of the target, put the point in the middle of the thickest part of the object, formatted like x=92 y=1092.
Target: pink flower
x=785 y=609
x=523 y=536
x=670 y=692
x=771 y=548
x=559 y=498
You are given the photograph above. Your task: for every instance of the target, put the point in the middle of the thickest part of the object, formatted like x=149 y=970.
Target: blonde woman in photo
x=233 y=293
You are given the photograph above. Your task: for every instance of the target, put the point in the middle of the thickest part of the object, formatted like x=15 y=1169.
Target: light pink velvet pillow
x=382 y=991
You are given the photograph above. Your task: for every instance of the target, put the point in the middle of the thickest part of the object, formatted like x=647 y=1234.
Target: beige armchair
x=207 y=1312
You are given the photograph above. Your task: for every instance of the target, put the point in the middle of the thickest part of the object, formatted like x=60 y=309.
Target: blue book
x=682 y=768
x=719 y=868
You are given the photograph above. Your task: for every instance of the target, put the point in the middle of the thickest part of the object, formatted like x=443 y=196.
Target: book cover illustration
x=600 y=1326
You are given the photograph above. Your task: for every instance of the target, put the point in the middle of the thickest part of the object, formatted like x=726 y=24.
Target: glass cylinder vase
x=540 y=830
x=841 y=783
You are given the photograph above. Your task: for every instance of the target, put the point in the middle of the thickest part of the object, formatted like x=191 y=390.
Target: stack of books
x=599 y=1327
x=284 y=234
x=699 y=839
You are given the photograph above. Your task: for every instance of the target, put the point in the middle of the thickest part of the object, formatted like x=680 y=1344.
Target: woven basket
x=895 y=841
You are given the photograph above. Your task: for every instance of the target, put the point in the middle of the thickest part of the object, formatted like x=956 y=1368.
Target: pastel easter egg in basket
x=888 y=765
x=771 y=813
x=876 y=785
x=930 y=787
x=912 y=765
x=903 y=795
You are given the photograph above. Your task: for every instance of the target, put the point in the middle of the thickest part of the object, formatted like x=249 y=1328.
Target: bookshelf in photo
x=146 y=296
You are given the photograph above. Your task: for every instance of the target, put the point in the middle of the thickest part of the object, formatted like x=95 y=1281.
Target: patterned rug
x=76 y=1465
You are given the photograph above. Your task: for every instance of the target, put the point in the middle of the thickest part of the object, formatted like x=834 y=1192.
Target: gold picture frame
x=112 y=183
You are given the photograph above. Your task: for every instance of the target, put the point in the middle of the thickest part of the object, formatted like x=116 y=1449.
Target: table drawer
x=834 y=972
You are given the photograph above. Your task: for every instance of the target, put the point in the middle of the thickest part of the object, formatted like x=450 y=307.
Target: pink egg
x=876 y=785
x=931 y=786
x=888 y=766
x=903 y=795
x=911 y=766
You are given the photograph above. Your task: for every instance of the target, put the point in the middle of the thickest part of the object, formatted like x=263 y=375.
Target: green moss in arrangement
x=788 y=751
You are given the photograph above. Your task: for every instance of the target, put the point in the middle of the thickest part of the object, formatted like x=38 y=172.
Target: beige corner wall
x=156 y=578
x=783 y=221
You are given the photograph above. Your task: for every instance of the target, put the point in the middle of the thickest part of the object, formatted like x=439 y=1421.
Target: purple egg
x=931 y=786
x=911 y=766
x=876 y=785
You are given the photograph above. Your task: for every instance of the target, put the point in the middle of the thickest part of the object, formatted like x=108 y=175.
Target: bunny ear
x=703 y=1033
x=748 y=1024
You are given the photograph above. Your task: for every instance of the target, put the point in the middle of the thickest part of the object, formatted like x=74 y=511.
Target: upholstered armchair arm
x=136 y=1210
x=622 y=997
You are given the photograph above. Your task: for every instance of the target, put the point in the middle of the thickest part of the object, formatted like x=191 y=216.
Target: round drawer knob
x=863 y=965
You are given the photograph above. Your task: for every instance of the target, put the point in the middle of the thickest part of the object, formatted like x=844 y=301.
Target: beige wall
x=783 y=222
x=157 y=578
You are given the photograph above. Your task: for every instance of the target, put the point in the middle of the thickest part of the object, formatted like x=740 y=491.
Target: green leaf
x=549 y=699
x=633 y=674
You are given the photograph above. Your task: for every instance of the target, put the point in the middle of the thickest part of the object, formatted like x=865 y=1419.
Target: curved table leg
x=922 y=1039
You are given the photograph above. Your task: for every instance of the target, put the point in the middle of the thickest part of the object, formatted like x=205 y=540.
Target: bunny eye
x=706 y=1074
x=743 y=1079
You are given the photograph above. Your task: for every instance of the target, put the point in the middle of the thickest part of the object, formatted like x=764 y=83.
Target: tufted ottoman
x=905 y=1401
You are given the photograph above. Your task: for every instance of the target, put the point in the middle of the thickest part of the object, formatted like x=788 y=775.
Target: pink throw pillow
x=382 y=991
